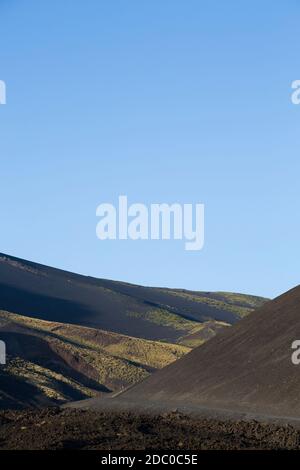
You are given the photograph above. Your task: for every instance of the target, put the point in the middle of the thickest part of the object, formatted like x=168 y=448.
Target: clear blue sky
x=164 y=101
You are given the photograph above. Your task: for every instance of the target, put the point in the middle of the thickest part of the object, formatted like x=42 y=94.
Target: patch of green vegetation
x=193 y=343
x=207 y=331
x=47 y=381
x=119 y=360
x=163 y=317
x=194 y=333
x=238 y=304
x=250 y=301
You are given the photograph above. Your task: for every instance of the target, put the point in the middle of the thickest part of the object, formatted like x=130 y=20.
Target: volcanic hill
x=245 y=368
x=71 y=337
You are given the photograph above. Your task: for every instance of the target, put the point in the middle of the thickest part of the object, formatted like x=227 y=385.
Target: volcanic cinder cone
x=246 y=368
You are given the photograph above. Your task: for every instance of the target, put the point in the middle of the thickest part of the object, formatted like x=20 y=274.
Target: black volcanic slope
x=245 y=368
x=46 y=293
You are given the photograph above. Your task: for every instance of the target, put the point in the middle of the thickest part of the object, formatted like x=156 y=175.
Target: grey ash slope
x=245 y=368
x=51 y=294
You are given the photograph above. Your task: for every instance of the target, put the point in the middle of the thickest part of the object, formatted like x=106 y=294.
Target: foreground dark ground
x=55 y=428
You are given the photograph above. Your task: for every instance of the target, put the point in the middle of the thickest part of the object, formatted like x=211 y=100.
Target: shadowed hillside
x=51 y=294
